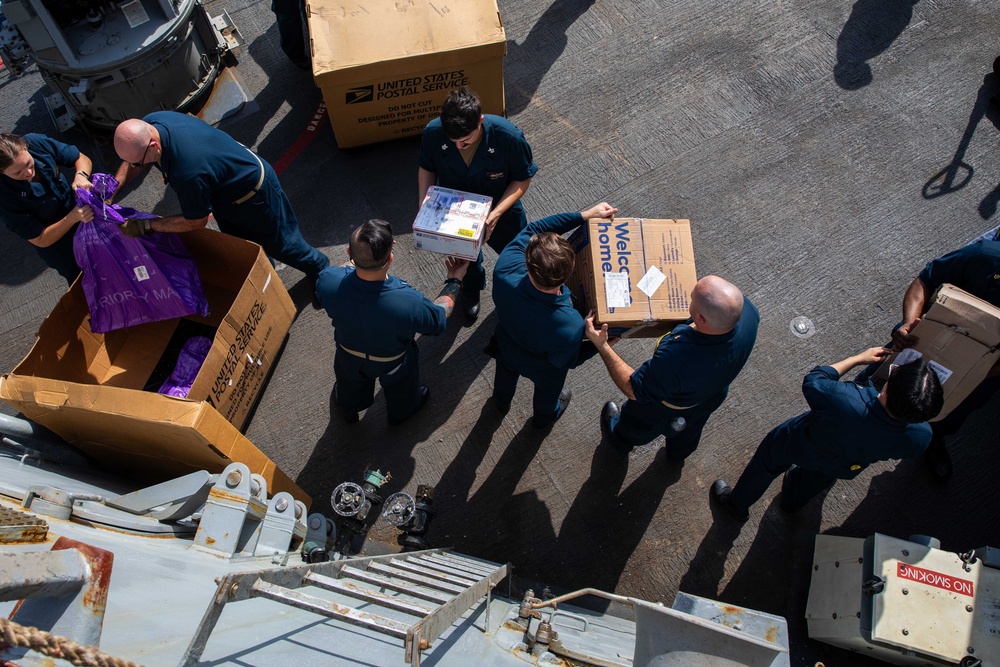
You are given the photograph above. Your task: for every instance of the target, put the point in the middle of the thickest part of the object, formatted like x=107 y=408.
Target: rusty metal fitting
x=544 y=635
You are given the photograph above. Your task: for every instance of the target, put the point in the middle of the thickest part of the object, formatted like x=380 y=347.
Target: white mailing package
x=451 y=222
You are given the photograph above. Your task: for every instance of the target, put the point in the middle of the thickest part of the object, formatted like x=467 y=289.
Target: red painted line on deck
x=302 y=141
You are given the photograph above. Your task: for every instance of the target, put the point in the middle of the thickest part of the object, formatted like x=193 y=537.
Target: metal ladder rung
x=468 y=565
x=398 y=585
x=330 y=609
x=367 y=595
x=434 y=572
x=446 y=568
x=394 y=571
x=438 y=597
x=433 y=625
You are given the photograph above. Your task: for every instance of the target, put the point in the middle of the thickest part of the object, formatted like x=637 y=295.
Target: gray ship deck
x=805 y=185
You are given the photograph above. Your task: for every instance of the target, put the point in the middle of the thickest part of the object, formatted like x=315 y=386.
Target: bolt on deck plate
x=802 y=327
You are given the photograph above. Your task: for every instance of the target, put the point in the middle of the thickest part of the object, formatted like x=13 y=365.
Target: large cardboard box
x=451 y=222
x=959 y=335
x=635 y=273
x=88 y=388
x=386 y=67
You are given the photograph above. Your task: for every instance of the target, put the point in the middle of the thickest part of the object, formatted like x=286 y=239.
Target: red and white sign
x=936 y=579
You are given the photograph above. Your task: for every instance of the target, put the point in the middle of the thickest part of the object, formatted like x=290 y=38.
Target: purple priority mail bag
x=189 y=362
x=130 y=281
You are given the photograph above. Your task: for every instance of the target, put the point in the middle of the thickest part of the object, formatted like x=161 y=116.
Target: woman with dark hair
x=37 y=201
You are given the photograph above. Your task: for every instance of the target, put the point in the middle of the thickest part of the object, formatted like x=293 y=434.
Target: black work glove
x=134 y=228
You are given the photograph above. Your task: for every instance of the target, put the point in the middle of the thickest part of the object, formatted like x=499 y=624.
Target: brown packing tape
x=390 y=71
x=935 y=346
x=51 y=399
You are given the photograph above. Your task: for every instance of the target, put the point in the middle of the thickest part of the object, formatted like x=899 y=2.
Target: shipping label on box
x=451 y=222
x=379 y=88
x=959 y=336
x=636 y=274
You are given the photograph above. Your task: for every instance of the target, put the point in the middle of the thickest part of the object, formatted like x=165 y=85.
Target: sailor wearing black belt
x=675 y=392
x=212 y=173
x=848 y=427
x=376 y=317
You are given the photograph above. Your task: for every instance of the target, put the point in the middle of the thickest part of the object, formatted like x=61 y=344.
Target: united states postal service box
x=959 y=336
x=88 y=388
x=386 y=67
x=451 y=222
x=635 y=273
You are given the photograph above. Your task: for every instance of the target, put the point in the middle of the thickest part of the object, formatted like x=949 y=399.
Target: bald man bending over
x=212 y=173
x=675 y=392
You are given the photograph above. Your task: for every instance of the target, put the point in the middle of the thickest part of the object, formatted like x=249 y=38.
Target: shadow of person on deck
x=605 y=525
x=494 y=521
x=871 y=29
x=957 y=173
x=528 y=62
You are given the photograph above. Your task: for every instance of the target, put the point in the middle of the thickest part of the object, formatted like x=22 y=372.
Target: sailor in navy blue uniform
x=974 y=268
x=212 y=173
x=848 y=427
x=376 y=318
x=483 y=154
x=687 y=379
x=37 y=201
x=289 y=15
x=539 y=333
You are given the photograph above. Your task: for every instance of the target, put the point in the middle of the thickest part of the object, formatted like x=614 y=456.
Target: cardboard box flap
x=45 y=401
x=970 y=315
x=207 y=246
x=383 y=31
x=122 y=358
x=149 y=436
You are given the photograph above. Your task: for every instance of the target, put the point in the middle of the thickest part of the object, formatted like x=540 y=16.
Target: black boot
x=722 y=494
x=470 y=305
x=938 y=459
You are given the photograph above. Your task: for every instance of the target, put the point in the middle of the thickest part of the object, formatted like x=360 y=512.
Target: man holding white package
x=466 y=150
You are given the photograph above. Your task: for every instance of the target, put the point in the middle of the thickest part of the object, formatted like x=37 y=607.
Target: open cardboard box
x=88 y=388
x=386 y=67
x=629 y=249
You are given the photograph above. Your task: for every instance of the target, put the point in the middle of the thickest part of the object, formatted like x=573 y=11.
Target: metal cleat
x=235 y=508
x=301 y=528
x=321 y=533
x=278 y=526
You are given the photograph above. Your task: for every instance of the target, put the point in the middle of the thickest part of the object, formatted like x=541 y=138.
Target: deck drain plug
x=802 y=327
